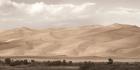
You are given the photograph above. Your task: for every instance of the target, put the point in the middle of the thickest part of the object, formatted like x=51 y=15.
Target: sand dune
x=117 y=40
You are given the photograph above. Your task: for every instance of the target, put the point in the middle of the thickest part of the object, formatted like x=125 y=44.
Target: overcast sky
x=46 y=13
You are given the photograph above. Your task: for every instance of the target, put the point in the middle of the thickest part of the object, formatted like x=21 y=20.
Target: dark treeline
x=15 y=62
x=87 y=65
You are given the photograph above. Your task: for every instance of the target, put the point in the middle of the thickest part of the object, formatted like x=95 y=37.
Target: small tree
x=32 y=61
x=70 y=62
x=64 y=62
x=25 y=62
x=110 y=61
x=8 y=61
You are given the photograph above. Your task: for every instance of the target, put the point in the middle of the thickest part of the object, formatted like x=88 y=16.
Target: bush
x=8 y=61
x=25 y=62
x=110 y=61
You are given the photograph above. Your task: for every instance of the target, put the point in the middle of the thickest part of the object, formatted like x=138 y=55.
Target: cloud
x=41 y=7
x=3 y=2
x=119 y=15
x=125 y=11
x=43 y=14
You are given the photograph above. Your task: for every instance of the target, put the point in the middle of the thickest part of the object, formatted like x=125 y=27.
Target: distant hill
x=117 y=40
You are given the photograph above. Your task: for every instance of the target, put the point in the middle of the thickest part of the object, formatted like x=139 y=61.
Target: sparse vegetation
x=10 y=64
x=8 y=61
x=110 y=61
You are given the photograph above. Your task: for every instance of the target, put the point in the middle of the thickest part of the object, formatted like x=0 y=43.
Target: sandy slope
x=114 y=40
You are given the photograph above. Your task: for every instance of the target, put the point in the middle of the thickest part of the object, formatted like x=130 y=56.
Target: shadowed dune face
x=115 y=40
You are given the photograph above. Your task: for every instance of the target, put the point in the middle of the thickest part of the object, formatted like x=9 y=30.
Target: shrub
x=25 y=62
x=8 y=61
x=110 y=61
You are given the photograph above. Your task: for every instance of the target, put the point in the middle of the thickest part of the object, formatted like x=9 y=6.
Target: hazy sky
x=44 y=13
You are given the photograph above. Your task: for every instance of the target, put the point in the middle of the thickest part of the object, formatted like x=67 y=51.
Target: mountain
x=116 y=40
